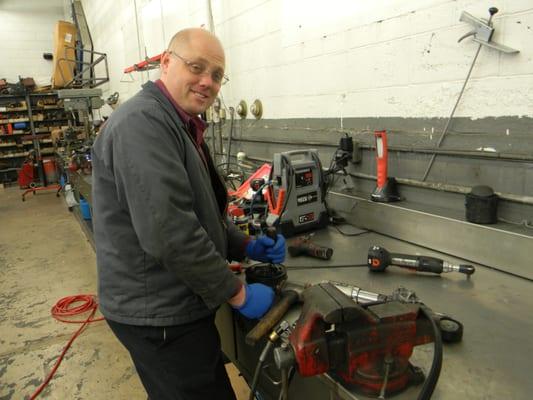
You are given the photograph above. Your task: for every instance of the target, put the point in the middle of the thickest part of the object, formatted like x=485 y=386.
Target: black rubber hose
x=434 y=372
x=257 y=372
x=289 y=380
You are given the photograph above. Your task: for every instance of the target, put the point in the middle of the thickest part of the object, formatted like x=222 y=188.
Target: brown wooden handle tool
x=272 y=317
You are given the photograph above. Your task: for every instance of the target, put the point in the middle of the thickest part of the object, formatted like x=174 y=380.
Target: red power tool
x=386 y=189
x=366 y=348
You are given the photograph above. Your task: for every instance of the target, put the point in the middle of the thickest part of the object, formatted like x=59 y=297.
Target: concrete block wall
x=316 y=59
x=128 y=31
x=323 y=68
x=26 y=32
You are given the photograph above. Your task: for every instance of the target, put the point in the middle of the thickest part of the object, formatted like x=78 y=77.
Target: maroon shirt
x=194 y=124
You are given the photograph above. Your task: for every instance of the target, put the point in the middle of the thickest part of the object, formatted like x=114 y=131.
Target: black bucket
x=481 y=205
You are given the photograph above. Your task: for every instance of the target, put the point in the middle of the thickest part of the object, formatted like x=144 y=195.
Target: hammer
x=289 y=295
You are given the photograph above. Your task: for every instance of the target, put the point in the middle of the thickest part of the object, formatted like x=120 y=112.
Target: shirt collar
x=193 y=123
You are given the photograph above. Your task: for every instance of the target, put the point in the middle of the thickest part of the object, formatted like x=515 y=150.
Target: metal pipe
x=457 y=153
x=213 y=142
x=432 y=160
x=443 y=187
x=230 y=135
x=357 y=294
x=447 y=187
x=220 y=140
x=284 y=394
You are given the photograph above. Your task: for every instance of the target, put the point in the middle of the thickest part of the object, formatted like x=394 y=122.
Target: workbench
x=493 y=361
x=82 y=186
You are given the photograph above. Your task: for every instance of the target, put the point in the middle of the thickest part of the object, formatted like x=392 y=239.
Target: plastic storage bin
x=85 y=209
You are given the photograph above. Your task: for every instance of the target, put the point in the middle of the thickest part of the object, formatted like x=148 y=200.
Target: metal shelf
x=40 y=120
x=43 y=94
x=51 y=120
x=14 y=122
x=15 y=155
x=10 y=96
x=5 y=135
x=14 y=111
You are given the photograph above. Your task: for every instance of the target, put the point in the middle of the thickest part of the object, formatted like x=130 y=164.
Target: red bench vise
x=367 y=348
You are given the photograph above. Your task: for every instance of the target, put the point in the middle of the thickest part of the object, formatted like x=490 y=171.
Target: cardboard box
x=55 y=135
x=64 y=57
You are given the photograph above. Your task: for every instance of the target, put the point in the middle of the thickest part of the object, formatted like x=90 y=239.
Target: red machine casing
x=25 y=175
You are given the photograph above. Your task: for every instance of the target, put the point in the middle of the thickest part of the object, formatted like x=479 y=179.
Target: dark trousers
x=182 y=362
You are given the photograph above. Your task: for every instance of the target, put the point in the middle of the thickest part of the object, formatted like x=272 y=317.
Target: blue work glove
x=257 y=302
x=264 y=249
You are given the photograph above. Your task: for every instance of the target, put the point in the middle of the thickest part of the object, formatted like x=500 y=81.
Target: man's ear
x=165 y=59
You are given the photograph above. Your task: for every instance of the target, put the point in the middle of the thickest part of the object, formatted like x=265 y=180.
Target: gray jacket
x=161 y=238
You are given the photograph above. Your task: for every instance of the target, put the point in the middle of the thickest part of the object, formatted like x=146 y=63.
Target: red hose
x=65 y=308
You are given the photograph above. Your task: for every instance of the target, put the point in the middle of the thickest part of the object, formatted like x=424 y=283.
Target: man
x=161 y=233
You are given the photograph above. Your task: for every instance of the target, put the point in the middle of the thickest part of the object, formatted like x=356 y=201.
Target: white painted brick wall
x=317 y=59
x=26 y=32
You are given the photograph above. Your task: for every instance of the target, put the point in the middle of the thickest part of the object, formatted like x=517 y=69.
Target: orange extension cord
x=65 y=308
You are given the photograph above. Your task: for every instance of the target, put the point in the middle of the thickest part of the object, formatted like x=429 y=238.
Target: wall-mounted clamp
x=483 y=31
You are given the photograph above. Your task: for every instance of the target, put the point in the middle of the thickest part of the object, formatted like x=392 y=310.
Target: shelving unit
x=40 y=113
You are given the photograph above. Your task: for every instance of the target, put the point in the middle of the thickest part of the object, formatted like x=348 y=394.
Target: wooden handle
x=272 y=317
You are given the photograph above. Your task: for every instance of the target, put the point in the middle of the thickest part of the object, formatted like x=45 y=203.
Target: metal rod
x=432 y=160
x=36 y=145
x=213 y=142
x=457 y=153
x=220 y=140
x=230 y=135
x=443 y=187
x=284 y=394
x=446 y=187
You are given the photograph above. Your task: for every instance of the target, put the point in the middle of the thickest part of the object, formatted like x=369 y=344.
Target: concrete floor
x=44 y=256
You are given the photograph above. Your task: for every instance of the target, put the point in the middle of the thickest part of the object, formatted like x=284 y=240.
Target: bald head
x=185 y=38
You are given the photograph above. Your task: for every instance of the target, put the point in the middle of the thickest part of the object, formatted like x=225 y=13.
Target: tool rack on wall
x=26 y=124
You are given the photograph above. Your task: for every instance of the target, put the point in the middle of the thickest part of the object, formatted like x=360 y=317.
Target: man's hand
x=264 y=249
x=253 y=300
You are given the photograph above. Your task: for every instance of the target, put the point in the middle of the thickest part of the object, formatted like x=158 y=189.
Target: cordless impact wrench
x=379 y=259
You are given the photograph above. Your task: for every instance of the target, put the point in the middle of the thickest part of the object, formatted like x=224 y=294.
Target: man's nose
x=206 y=80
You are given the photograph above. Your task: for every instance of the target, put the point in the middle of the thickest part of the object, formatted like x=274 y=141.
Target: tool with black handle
x=273 y=275
x=304 y=246
x=379 y=259
x=271 y=233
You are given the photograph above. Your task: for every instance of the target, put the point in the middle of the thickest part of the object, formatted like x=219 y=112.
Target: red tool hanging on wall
x=386 y=189
x=147 y=64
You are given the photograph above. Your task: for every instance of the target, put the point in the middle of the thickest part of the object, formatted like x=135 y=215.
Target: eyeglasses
x=199 y=68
